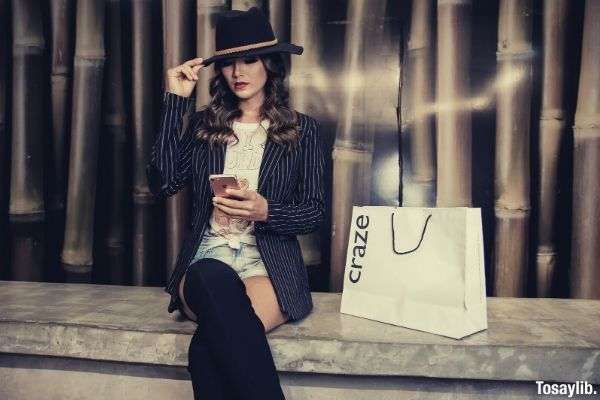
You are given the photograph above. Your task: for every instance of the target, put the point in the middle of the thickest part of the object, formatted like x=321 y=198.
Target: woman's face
x=245 y=76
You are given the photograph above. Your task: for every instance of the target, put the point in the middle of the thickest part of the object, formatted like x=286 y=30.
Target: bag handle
x=420 y=240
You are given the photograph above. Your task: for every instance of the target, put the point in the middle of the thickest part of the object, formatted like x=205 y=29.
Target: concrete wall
x=52 y=378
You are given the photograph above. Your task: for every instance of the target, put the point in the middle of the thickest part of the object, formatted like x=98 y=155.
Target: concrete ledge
x=34 y=377
x=527 y=339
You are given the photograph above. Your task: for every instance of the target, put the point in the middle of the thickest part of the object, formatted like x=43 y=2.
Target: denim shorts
x=245 y=260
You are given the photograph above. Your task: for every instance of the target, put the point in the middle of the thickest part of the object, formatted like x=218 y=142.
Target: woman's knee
x=209 y=268
x=210 y=274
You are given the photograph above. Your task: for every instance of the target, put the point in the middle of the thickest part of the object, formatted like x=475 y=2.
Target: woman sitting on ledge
x=240 y=272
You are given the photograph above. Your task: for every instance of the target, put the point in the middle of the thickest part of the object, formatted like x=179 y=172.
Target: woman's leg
x=208 y=381
x=262 y=295
x=186 y=309
x=234 y=333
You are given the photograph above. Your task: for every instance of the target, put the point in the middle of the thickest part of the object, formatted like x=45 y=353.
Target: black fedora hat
x=245 y=33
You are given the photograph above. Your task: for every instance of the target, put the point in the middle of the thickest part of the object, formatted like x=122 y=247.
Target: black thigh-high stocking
x=231 y=331
x=208 y=381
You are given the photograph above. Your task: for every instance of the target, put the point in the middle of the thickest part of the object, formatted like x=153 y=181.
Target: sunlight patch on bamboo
x=482 y=102
x=453 y=140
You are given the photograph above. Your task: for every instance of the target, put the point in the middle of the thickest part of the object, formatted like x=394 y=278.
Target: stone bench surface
x=527 y=339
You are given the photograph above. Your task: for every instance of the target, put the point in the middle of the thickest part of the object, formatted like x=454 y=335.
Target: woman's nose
x=237 y=68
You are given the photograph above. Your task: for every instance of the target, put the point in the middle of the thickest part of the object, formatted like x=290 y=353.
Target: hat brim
x=279 y=47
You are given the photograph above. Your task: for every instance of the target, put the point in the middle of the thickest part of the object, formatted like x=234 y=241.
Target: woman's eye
x=250 y=60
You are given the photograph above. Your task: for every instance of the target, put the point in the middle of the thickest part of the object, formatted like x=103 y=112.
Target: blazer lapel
x=216 y=159
x=271 y=155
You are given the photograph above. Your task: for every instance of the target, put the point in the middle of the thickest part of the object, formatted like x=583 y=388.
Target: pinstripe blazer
x=292 y=184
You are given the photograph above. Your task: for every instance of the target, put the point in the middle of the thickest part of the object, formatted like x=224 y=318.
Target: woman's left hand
x=248 y=204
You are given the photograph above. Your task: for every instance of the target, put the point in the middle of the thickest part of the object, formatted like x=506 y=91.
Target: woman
x=240 y=271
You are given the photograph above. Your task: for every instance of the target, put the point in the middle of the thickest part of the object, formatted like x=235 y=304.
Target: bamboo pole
x=62 y=17
x=453 y=122
x=62 y=13
x=77 y=256
x=245 y=5
x=26 y=207
x=552 y=133
x=353 y=148
x=512 y=186
x=303 y=83
x=585 y=251
x=205 y=44
x=179 y=43
x=143 y=64
x=114 y=240
x=4 y=138
x=306 y=70
x=421 y=94
x=279 y=16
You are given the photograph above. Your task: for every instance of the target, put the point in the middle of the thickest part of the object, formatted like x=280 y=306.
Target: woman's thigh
x=264 y=301
x=186 y=309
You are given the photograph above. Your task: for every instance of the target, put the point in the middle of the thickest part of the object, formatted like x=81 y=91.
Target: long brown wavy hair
x=218 y=116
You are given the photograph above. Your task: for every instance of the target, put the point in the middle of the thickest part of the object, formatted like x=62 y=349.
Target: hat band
x=246 y=47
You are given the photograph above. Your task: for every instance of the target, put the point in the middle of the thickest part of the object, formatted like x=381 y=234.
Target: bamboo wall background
x=422 y=103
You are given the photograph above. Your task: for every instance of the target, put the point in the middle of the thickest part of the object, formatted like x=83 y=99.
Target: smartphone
x=220 y=182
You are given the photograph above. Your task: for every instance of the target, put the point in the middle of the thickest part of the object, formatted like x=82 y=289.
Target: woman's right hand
x=181 y=80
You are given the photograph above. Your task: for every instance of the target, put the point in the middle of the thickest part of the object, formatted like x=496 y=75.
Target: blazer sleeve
x=305 y=213
x=169 y=168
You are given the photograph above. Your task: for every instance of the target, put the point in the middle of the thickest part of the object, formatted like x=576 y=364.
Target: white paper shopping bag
x=420 y=268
